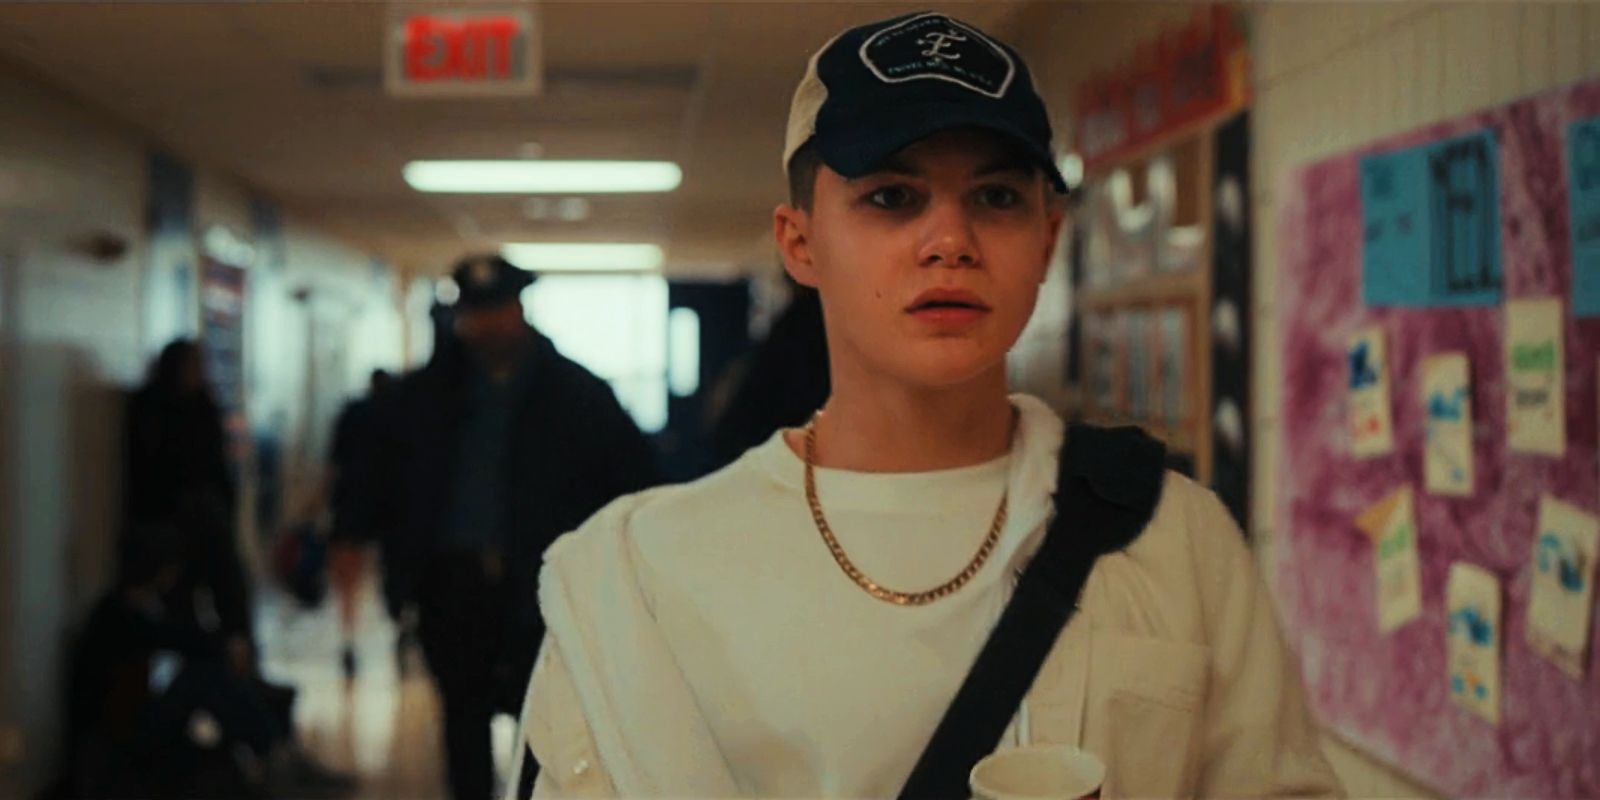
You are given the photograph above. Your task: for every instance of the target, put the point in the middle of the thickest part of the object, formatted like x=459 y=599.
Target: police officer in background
x=486 y=455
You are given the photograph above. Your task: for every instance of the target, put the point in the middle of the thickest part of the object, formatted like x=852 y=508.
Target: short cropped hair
x=803 y=168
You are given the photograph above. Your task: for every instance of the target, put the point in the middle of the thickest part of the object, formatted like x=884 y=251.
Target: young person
x=798 y=623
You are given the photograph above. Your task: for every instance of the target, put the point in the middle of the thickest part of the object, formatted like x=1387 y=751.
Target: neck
x=893 y=428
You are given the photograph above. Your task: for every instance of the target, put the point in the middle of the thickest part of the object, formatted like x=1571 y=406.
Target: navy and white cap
x=488 y=280
x=873 y=90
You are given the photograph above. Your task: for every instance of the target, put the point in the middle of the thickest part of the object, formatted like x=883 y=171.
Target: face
x=494 y=332
x=929 y=268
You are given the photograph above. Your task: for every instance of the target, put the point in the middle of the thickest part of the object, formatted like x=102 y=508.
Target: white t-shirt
x=703 y=643
x=777 y=643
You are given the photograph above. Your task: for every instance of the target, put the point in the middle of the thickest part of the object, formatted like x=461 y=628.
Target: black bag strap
x=1106 y=492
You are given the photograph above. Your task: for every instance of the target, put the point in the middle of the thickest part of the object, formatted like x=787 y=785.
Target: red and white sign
x=1180 y=80
x=454 y=52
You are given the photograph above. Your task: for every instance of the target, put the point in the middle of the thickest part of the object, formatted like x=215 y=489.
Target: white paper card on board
x=1447 y=408
x=1535 y=366
x=1371 y=426
x=1392 y=525
x=1562 y=597
x=1472 y=598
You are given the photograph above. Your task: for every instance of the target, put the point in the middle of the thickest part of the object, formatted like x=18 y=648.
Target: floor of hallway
x=384 y=725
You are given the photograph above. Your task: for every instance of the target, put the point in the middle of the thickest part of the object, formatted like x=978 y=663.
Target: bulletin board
x=1391 y=694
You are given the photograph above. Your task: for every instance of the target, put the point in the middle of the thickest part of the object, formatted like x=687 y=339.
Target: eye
x=893 y=198
x=999 y=196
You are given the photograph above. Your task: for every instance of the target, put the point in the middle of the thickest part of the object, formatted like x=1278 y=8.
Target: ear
x=791 y=229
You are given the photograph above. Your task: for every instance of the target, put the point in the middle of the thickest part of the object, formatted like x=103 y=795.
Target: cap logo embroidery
x=939 y=43
x=936 y=47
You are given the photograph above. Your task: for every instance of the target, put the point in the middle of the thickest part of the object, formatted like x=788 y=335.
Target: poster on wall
x=1535 y=388
x=1562 y=598
x=1431 y=218
x=222 y=298
x=1583 y=203
x=1371 y=429
x=1392 y=524
x=1472 y=599
x=1447 y=401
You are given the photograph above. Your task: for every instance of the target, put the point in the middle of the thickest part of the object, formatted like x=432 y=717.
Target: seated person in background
x=149 y=696
x=797 y=624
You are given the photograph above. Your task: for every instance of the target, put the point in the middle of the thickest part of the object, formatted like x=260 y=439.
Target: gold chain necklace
x=867 y=584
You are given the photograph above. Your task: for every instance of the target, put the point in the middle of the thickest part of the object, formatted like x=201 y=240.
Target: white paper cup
x=1044 y=772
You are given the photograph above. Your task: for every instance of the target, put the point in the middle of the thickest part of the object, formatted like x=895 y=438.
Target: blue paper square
x=1583 y=201
x=1431 y=218
x=1395 y=228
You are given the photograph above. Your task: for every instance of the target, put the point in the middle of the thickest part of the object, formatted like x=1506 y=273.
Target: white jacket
x=1173 y=671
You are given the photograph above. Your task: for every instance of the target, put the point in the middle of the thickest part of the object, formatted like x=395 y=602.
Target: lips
x=948 y=309
x=947 y=300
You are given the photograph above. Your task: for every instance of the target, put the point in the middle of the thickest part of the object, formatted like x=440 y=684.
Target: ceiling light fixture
x=567 y=209
x=542 y=177
x=573 y=209
x=583 y=256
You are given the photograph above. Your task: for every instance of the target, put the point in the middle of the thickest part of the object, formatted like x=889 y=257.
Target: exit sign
x=461 y=53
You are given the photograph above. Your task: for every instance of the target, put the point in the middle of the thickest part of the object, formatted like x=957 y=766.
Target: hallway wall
x=75 y=332
x=1327 y=77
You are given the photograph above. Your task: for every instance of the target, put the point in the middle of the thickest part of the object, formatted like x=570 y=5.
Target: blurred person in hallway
x=177 y=475
x=155 y=709
x=781 y=380
x=485 y=456
x=350 y=462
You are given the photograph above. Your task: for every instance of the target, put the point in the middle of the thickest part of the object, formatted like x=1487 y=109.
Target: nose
x=949 y=240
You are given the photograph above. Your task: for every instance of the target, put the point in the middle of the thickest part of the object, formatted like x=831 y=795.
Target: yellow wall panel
x=1264 y=282
x=1427 y=71
x=1591 y=35
x=1535 y=36
x=1503 y=52
x=1467 y=37
x=1567 y=57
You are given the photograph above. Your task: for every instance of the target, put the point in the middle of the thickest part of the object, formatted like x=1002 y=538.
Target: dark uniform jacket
x=572 y=449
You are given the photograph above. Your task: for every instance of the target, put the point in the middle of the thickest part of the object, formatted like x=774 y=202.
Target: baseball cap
x=873 y=90
x=488 y=280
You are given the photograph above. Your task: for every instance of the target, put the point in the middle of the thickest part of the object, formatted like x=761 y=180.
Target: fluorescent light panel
x=583 y=256
x=543 y=177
